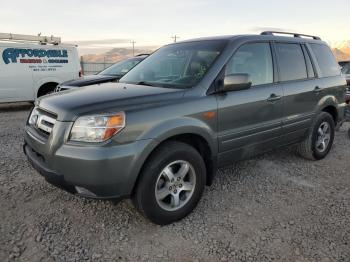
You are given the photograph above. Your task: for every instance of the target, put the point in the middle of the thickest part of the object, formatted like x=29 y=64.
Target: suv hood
x=90 y=80
x=108 y=97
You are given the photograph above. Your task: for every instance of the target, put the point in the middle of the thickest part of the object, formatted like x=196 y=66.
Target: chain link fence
x=91 y=68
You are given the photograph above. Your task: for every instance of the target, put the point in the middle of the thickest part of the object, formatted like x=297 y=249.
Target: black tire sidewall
x=146 y=198
x=324 y=117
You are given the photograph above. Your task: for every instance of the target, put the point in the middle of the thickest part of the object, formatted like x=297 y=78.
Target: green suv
x=159 y=135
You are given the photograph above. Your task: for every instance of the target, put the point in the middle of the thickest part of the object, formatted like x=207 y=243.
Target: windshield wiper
x=144 y=83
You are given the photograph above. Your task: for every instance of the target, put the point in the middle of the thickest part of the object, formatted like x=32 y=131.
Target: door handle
x=273 y=98
x=317 y=89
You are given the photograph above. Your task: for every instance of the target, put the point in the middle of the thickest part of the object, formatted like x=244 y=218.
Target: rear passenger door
x=297 y=78
x=250 y=121
x=329 y=78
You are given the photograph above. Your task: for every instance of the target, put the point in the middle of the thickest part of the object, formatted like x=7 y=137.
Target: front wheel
x=171 y=183
x=320 y=138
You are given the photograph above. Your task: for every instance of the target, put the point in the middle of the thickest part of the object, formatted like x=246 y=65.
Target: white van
x=32 y=66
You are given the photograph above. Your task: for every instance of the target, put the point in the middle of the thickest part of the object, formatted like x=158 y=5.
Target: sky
x=115 y=23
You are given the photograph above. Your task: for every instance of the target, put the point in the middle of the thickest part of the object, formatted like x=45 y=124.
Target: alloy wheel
x=175 y=185
x=323 y=137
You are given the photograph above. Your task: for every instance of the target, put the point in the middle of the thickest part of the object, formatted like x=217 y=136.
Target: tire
x=155 y=183
x=46 y=89
x=310 y=148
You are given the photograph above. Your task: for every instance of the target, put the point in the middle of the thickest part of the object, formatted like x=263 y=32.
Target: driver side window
x=254 y=59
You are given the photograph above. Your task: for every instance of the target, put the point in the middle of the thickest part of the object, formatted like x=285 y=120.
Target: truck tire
x=320 y=138
x=171 y=183
x=46 y=89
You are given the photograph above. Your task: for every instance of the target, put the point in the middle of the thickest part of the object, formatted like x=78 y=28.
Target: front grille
x=42 y=121
x=45 y=124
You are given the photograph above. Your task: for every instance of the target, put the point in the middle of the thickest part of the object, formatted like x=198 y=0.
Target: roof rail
x=31 y=38
x=288 y=33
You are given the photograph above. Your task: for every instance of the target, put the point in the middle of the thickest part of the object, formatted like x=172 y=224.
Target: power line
x=175 y=37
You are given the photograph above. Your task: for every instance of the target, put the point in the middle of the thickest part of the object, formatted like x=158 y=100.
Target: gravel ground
x=276 y=207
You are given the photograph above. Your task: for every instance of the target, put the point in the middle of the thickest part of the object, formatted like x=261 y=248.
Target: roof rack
x=288 y=33
x=31 y=38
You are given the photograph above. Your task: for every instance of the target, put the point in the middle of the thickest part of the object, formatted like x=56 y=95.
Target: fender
x=180 y=126
x=332 y=101
x=170 y=128
x=328 y=100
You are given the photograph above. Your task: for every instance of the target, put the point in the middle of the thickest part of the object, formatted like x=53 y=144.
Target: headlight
x=97 y=128
x=33 y=118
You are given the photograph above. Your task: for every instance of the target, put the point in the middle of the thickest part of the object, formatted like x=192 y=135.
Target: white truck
x=32 y=66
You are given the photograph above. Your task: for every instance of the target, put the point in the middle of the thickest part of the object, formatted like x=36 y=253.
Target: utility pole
x=175 y=37
x=133 y=48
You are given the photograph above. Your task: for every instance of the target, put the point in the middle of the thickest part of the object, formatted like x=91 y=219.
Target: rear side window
x=325 y=60
x=291 y=62
x=254 y=59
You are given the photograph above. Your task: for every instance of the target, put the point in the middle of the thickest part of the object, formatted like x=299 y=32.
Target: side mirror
x=236 y=82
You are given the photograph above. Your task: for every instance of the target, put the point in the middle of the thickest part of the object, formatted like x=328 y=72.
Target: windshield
x=180 y=65
x=120 y=68
x=346 y=69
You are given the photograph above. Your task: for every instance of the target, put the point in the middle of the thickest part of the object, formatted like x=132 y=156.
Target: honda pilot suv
x=159 y=135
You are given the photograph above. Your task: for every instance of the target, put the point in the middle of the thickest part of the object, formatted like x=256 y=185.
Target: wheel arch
x=194 y=139
x=41 y=83
x=329 y=104
x=45 y=88
x=332 y=110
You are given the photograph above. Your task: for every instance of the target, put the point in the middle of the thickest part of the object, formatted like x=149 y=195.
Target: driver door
x=250 y=121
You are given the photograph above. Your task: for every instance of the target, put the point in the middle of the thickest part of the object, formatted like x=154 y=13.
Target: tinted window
x=291 y=62
x=255 y=60
x=325 y=60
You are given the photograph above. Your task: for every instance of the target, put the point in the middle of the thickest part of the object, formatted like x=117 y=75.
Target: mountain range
x=341 y=51
x=116 y=54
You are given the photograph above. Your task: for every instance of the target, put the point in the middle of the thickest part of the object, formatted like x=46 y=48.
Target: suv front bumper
x=51 y=176
x=91 y=171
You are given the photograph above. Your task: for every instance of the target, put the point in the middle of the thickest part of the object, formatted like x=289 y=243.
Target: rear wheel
x=171 y=183
x=320 y=138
